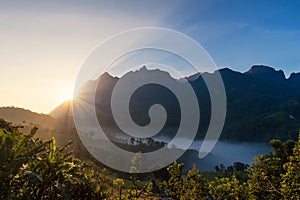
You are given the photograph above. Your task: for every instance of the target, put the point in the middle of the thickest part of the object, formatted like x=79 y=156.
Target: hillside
x=64 y=109
x=261 y=103
x=61 y=128
x=23 y=116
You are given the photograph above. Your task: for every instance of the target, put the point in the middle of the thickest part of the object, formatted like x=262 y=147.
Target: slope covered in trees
x=262 y=104
x=33 y=169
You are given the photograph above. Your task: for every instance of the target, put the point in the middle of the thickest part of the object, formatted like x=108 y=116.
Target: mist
x=224 y=152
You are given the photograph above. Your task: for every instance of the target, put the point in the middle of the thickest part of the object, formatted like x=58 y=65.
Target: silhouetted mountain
x=262 y=103
x=295 y=79
x=265 y=72
x=62 y=110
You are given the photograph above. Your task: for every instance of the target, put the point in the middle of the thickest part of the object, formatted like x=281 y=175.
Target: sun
x=65 y=93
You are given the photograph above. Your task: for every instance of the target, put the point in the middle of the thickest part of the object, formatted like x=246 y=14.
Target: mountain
x=64 y=109
x=23 y=116
x=62 y=128
x=261 y=103
x=295 y=79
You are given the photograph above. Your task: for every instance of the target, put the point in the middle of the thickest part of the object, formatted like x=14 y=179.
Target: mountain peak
x=295 y=75
x=144 y=68
x=265 y=71
x=228 y=70
x=64 y=109
x=144 y=71
x=295 y=78
x=260 y=69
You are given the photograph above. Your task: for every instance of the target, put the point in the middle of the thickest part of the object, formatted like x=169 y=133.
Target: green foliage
x=227 y=188
x=195 y=186
x=192 y=186
x=272 y=176
x=136 y=163
x=148 y=190
x=265 y=175
x=290 y=184
x=241 y=176
x=32 y=169
x=119 y=184
x=175 y=185
x=135 y=188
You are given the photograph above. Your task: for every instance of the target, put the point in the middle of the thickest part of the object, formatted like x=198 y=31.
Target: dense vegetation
x=32 y=169
x=35 y=169
x=261 y=104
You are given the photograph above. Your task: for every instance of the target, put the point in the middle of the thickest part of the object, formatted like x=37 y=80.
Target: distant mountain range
x=262 y=104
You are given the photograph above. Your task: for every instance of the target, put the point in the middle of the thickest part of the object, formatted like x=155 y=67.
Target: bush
x=33 y=169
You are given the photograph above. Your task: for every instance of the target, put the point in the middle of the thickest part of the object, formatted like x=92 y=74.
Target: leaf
x=34 y=176
x=33 y=131
x=52 y=145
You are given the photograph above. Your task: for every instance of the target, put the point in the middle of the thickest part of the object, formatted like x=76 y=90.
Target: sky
x=43 y=44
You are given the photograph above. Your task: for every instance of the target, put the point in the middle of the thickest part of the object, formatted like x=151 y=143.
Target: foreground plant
x=33 y=169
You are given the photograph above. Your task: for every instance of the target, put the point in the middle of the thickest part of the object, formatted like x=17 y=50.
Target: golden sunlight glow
x=65 y=93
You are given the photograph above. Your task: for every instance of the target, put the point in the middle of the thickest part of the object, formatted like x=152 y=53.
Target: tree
x=217 y=168
x=119 y=184
x=290 y=184
x=265 y=173
x=33 y=169
x=227 y=188
x=189 y=187
x=195 y=187
x=175 y=185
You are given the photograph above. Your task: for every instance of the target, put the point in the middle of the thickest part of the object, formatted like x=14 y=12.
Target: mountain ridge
x=261 y=104
x=261 y=99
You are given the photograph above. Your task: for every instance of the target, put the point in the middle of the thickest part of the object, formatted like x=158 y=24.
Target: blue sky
x=43 y=44
x=239 y=34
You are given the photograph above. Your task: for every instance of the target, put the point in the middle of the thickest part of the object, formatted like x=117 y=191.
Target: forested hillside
x=33 y=169
x=262 y=103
